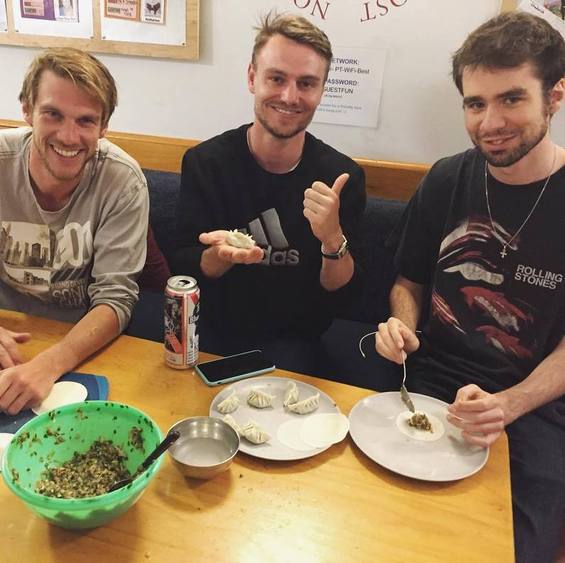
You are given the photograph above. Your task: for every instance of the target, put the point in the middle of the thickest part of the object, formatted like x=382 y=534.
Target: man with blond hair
x=299 y=199
x=73 y=217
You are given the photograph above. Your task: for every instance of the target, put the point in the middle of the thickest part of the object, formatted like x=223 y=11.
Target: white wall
x=420 y=115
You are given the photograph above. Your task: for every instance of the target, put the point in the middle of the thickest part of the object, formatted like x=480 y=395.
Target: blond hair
x=81 y=68
x=295 y=28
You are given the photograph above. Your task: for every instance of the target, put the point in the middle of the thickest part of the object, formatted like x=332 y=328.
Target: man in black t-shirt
x=301 y=201
x=481 y=271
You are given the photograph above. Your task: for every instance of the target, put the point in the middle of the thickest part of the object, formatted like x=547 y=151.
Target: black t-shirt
x=491 y=319
x=223 y=187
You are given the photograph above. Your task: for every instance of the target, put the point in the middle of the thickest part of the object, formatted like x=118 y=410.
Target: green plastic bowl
x=74 y=428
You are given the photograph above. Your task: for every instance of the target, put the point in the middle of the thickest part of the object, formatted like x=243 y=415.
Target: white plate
x=272 y=417
x=373 y=428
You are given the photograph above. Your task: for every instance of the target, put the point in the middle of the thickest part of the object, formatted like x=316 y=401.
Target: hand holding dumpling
x=223 y=244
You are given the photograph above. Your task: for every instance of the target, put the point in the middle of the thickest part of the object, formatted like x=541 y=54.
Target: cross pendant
x=503 y=252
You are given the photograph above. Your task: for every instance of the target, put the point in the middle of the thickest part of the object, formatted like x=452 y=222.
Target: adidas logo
x=267 y=232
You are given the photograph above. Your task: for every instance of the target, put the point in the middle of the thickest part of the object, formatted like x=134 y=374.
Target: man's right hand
x=394 y=340
x=9 y=352
x=220 y=257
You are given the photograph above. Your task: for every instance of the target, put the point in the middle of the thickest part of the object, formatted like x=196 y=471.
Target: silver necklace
x=508 y=243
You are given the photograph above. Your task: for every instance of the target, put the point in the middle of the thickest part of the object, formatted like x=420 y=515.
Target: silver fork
x=403 y=391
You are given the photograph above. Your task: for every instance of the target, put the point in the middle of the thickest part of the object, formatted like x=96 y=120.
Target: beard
x=282 y=133
x=526 y=145
x=59 y=176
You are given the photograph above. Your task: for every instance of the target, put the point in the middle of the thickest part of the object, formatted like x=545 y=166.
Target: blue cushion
x=163 y=195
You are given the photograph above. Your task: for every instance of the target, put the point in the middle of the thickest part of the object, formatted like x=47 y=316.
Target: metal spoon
x=159 y=450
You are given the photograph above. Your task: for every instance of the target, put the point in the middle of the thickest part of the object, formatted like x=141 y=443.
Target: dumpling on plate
x=229 y=404
x=254 y=433
x=290 y=394
x=259 y=399
x=232 y=422
x=306 y=405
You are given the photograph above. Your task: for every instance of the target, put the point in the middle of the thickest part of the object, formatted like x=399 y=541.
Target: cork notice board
x=149 y=28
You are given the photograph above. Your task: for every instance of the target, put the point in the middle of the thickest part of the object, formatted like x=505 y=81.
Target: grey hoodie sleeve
x=120 y=243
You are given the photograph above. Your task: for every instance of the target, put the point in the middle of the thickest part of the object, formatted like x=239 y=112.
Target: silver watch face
x=342 y=251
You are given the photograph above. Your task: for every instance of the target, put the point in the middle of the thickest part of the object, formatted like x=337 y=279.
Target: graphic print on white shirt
x=49 y=265
x=268 y=233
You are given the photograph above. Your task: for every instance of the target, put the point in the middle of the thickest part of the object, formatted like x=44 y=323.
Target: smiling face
x=67 y=124
x=506 y=112
x=287 y=81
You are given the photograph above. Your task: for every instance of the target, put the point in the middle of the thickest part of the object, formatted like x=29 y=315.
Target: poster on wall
x=538 y=9
x=40 y=9
x=153 y=11
x=170 y=15
x=122 y=9
x=3 y=17
x=556 y=7
x=57 y=18
x=66 y=10
x=352 y=92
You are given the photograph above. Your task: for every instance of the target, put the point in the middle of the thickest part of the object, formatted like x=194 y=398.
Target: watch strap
x=341 y=252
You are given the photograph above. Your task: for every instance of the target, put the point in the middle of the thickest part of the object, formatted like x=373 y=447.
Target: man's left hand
x=321 y=208
x=480 y=415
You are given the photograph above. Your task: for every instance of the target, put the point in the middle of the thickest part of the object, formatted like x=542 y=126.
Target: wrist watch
x=341 y=251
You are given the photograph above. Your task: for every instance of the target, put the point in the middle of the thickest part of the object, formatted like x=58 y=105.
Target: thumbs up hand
x=321 y=208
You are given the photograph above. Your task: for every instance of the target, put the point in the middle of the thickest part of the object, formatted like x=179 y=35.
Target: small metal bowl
x=206 y=446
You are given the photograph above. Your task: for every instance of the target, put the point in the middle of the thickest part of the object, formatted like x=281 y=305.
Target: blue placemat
x=96 y=385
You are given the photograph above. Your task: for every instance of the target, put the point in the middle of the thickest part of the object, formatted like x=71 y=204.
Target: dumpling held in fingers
x=239 y=239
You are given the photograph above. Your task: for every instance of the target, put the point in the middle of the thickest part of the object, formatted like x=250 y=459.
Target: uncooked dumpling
x=290 y=394
x=239 y=239
x=229 y=404
x=254 y=433
x=306 y=405
x=259 y=399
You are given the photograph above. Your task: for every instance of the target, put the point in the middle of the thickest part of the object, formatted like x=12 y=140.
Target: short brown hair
x=295 y=28
x=510 y=40
x=81 y=68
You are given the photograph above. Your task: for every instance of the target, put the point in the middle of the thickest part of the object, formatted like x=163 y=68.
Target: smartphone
x=233 y=368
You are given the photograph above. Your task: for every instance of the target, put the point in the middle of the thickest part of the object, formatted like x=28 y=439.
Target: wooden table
x=338 y=506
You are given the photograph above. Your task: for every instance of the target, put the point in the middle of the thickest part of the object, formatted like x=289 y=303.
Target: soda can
x=182 y=306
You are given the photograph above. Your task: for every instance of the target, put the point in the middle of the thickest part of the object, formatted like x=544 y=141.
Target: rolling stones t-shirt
x=496 y=306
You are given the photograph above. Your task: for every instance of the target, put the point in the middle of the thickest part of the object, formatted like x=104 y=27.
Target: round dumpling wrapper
x=63 y=393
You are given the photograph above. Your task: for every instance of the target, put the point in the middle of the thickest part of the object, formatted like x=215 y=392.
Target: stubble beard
x=277 y=133
x=521 y=150
x=42 y=153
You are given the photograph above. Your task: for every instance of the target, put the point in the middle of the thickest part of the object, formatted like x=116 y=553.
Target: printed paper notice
x=58 y=18
x=123 y=9
x=40 y=9
x=538 y=9
x=352 y=93
x=66 y=10
x=3 y=18
x=153 y=11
